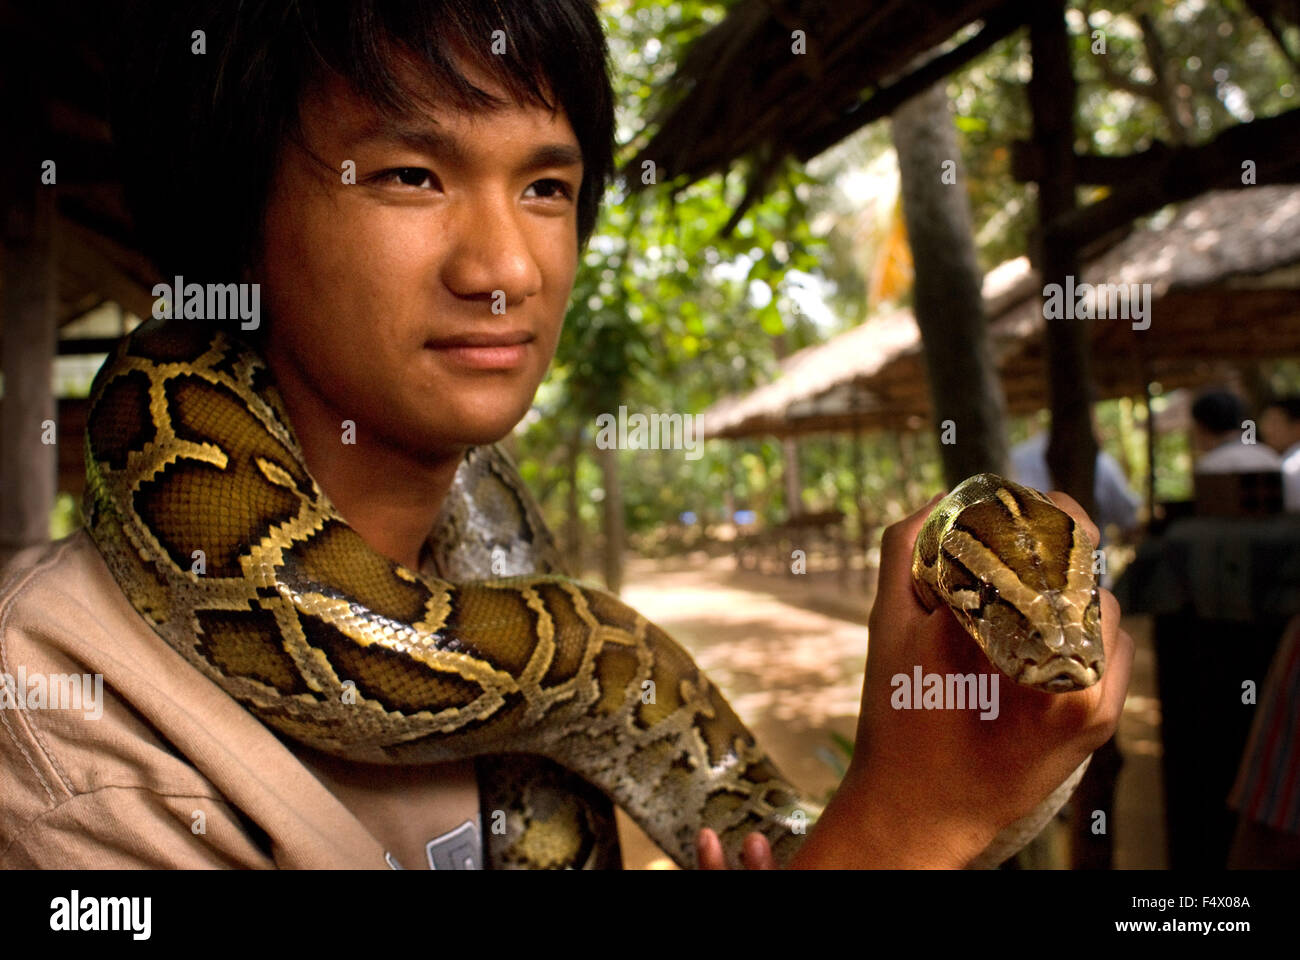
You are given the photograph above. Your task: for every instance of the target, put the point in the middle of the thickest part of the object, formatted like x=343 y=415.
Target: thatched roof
x=1225 y=285
x=742 y=92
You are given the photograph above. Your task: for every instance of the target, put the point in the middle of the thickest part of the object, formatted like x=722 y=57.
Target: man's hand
x=934 y=787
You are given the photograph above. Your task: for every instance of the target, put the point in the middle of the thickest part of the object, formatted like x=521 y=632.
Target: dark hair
x=1288 y=405
x=200 y=135
x=1219 y=411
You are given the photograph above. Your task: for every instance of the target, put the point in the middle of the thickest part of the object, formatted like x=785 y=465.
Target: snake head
x=1017 y=572
x=1060 y=649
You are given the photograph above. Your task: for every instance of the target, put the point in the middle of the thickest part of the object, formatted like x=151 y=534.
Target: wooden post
x=842 y=452
x=1151 y=450
x=614 y=527
x=573 y=516
x=729 y=486
x=1072 y=449
x=860 y=502
x=28 y=454
x=792 y=476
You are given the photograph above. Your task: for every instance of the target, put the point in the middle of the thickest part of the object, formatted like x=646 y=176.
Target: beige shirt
x=164 y=769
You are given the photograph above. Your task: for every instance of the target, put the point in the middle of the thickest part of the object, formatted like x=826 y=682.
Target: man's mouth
x=483 y=350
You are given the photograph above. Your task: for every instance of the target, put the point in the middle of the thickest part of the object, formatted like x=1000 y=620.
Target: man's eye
x=553 y=188
x=406 y=176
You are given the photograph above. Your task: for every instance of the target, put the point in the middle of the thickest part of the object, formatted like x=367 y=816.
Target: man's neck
x=390 y=498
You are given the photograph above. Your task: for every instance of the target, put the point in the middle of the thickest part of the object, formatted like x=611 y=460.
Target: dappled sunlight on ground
x=792 y=675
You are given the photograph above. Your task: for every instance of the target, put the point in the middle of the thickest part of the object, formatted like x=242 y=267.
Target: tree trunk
x=969 y=408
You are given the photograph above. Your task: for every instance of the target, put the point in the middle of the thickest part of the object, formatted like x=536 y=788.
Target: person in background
x=1279 y=425
x=1218 y=440
x=1115 y=502
x=1266 y=793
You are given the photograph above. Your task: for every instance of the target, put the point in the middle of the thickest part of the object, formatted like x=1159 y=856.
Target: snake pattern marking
x=200 y=501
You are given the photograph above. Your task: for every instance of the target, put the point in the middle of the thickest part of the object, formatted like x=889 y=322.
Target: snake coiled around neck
x=201 y=503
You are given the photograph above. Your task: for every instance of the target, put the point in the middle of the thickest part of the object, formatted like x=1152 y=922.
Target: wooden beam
x=1028 y=164
x=104 y=266
x=884 y=101
x=1271 y=144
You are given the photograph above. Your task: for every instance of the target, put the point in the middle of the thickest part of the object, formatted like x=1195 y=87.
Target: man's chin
x=467 y=435
x=471 y=422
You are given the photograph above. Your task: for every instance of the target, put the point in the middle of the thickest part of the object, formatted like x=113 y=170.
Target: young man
x=468 y=192
x=1217 y=439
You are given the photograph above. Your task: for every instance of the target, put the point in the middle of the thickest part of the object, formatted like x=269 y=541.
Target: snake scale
x=199 y=500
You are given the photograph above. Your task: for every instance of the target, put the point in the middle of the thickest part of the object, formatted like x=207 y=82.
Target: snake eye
x=989 y=593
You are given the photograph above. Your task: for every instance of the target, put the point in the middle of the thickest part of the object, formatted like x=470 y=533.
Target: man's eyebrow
x=438 y=144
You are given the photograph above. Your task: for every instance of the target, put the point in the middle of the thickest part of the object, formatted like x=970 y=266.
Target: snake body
x=200 y=501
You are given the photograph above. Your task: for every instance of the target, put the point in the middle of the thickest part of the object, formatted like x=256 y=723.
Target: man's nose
x=491 y=258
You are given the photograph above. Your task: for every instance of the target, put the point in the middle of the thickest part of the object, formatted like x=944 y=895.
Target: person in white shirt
x=1220 y=440
x=1115 y=502
x=1279 y=425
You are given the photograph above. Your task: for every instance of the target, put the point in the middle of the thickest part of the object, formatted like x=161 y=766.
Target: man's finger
x=757 y=854
x=1071 y=506
x=895 y=577
x=710 y=850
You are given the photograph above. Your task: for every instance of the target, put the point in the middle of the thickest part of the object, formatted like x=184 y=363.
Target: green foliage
x=65 y=516
x=1217 y=61
x=668 y=316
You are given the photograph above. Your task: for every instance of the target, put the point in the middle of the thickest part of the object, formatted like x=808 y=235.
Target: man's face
x=1274 y=429
x=446 y=226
